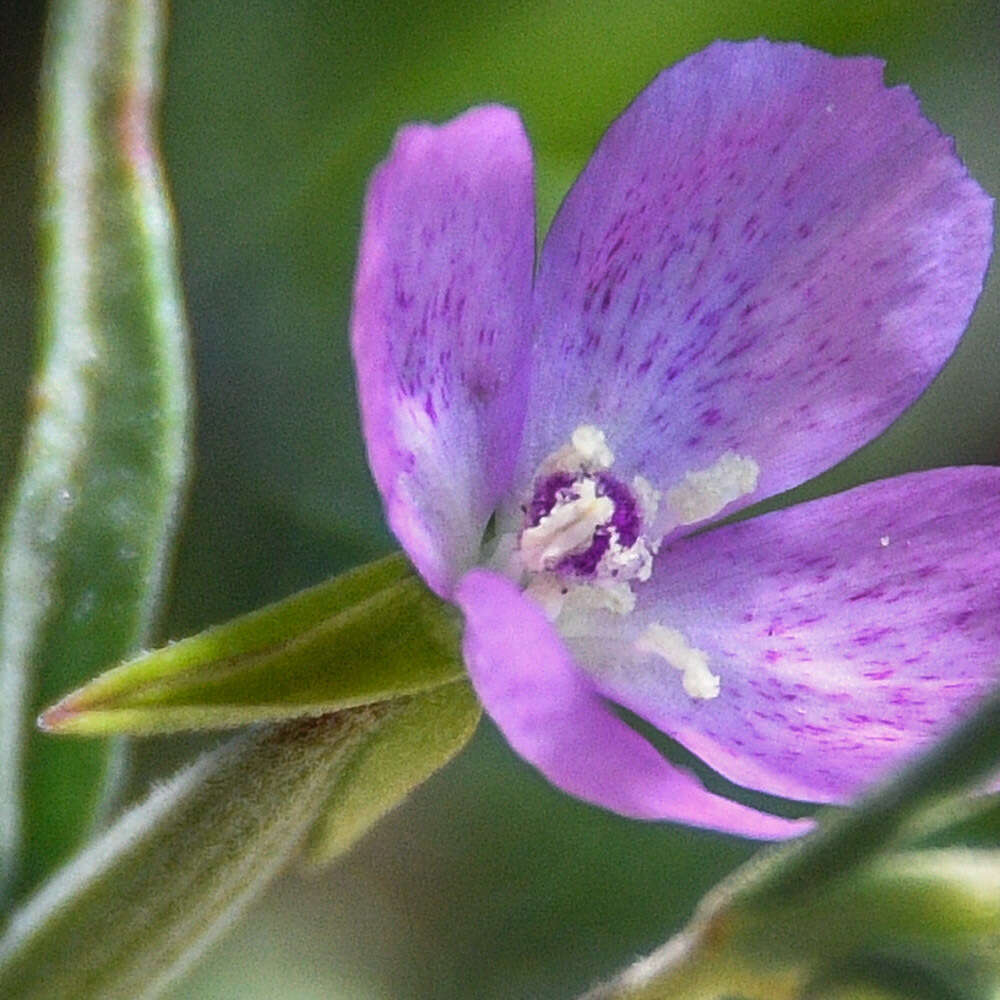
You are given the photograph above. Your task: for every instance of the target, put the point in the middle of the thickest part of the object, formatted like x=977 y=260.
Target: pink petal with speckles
x=770 y=253
x=441 y=328
x=847 y=633
x=552 y=716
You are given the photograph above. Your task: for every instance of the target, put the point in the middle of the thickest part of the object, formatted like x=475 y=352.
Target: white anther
x=648 y=498
x=705 y=492
x=592 y=446
x=583 y=600
x=672 y=646
x=884 y=541
x=573 y=604
x=634 y=562
x=587 y=451
x=548 y=591
x=567 y=529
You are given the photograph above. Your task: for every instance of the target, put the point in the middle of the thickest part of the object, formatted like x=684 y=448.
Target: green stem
x=697 y=964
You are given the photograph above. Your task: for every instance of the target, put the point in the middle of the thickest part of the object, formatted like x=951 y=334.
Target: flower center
x=586 y=537
x=585 y=528
x=574 y=524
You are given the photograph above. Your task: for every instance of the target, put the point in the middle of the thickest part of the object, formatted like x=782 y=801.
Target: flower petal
x=847 y=633
x=440 y=329
x=770 y=253
x=551 y=715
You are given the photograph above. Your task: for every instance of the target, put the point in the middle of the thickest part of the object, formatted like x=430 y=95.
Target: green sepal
x=373 y=634
x=423 y=733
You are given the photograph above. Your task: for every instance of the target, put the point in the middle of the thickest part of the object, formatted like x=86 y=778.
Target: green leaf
x=140 y=903
x=371 y=634
x=421 y=737
x=87 y=531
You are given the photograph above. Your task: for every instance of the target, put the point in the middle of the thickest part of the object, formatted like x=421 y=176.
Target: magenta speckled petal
x=551 y=715
x=440 y=330
x=769 y=253
x=847 y=633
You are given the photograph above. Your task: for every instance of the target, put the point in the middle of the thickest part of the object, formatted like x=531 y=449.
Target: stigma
x=577 y=517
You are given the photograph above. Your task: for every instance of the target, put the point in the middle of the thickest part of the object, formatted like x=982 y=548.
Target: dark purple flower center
x=624 y=525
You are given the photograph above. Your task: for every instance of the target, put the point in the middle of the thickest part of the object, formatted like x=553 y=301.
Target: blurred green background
x=487 y=883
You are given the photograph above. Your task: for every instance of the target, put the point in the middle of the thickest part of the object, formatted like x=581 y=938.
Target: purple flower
x=767 y=259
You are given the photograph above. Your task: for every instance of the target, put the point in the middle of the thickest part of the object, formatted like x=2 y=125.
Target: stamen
x=591 y=445
x=615 y=596
x=587 y=451
x=669 y=644
x=649 y=500
x=574 y=603
x=548 y=591
x=705 y=492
